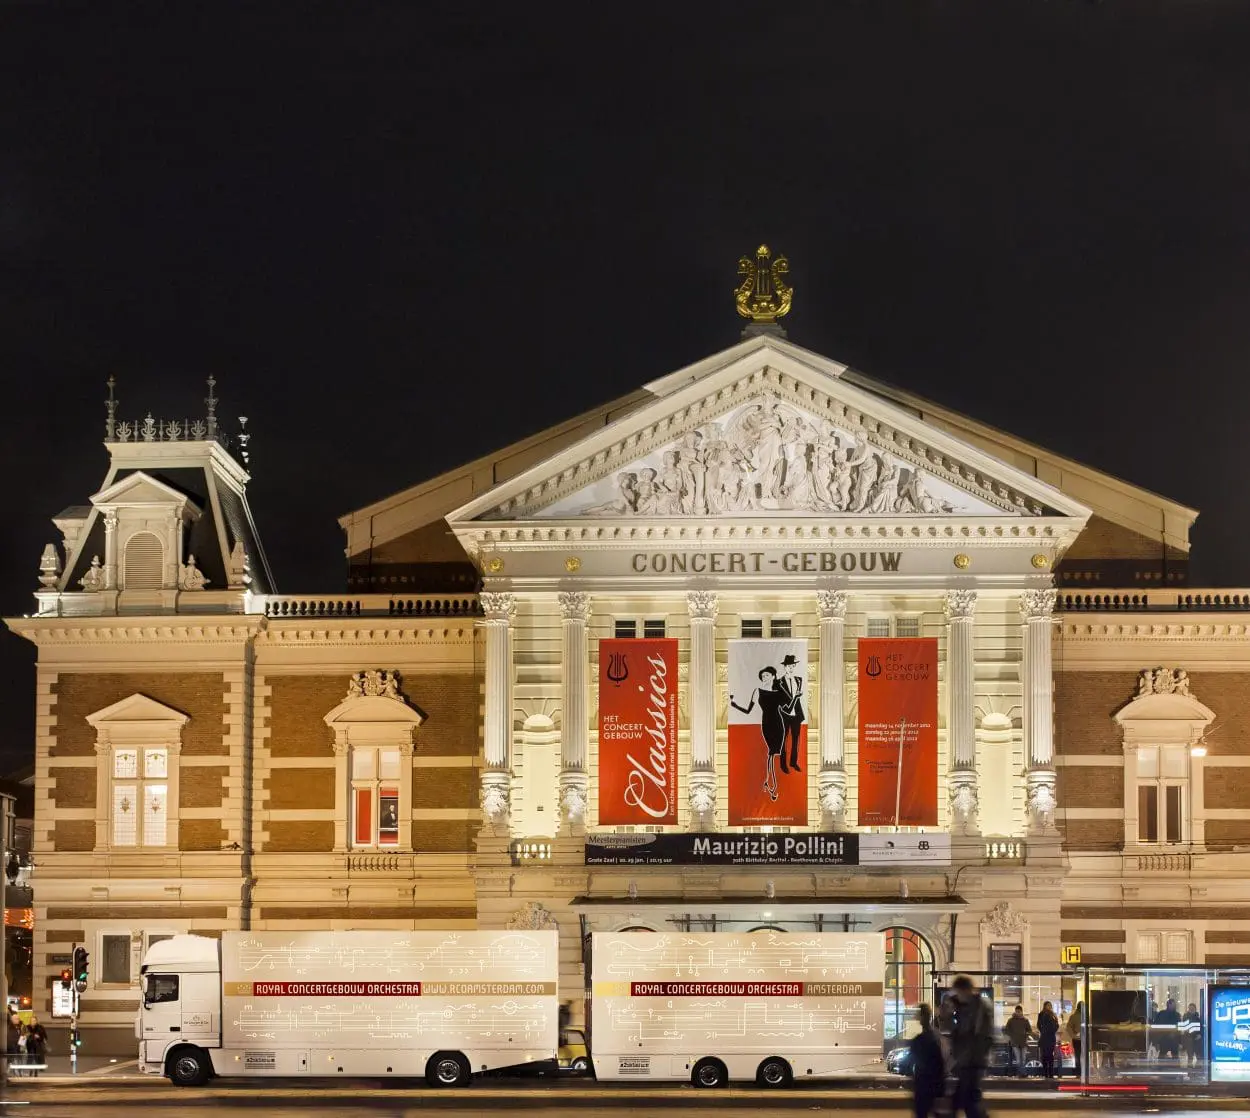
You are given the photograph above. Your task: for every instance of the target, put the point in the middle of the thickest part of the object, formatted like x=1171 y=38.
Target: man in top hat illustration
x=791 y=686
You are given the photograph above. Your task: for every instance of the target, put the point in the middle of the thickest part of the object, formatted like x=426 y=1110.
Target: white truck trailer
x=439 y=1004
x=764 y=1006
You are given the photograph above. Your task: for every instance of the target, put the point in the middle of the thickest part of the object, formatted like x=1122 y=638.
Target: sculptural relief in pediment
x=769 y=456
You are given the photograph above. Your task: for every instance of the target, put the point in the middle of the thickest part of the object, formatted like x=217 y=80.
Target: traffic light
x=66 y=980
x=75 y=1038
x=80 y=968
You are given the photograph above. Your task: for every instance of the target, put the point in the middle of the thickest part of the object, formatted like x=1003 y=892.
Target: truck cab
x=179 y=1020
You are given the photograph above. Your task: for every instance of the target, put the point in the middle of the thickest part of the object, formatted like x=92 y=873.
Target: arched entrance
x=908 y=980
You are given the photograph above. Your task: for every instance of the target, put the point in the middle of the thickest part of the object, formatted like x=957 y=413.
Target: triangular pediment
x=141 y=488
x=136 y=708
x=767 y=430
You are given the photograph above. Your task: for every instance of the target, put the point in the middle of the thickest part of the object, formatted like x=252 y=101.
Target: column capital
x=1037 y=605
x=702 y=604
x=831 y=604
x=960 y=605
x=497 y=606
x=575 y=605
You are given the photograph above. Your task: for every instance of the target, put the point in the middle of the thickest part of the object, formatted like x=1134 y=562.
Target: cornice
x=1189 y=630
x=60 y=630
x=934 y=532
x=303 y=633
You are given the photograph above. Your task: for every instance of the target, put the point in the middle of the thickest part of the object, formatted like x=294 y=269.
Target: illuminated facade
x=424 y=750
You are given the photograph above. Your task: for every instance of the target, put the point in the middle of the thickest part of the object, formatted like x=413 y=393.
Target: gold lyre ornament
x=763 y=295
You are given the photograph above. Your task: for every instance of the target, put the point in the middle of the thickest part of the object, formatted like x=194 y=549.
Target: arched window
x=145 y=560
x=908 y=980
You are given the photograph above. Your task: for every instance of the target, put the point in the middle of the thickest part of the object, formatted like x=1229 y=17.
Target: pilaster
x=574 y=722
x=1037 y=609
x=703 y=606
x=499 y=610
x=960 y=608
x=831 y=781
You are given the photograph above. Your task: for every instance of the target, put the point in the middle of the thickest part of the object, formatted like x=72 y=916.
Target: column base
x=1040 y=801
x=831 y=790
x=702 y=801
x=496 y=801
x=574 y=800
x=964 y=801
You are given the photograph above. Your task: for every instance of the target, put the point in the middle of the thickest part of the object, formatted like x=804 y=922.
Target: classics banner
x=637 y=731
x=898 y=717
x=767 y=732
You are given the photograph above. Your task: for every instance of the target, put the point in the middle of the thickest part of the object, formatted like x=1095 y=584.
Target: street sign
x=62 y=1001
x=1071 y=955
x=60 y=960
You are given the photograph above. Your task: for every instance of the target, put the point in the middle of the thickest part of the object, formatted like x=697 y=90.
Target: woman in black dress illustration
x=771 y=724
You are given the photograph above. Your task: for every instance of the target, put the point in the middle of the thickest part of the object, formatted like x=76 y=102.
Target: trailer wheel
x=774 y=1072
x=448 y=1069
x=188 y=1067
x=580 y=1064
x=709 y=1072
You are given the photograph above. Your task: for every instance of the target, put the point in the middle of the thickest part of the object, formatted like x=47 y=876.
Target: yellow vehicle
x=572 y=1055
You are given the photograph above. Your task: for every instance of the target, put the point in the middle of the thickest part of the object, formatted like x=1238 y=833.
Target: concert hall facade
x=764 y=644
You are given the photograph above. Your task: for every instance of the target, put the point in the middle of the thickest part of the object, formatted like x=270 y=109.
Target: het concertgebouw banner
x=637 y=731
x=898 y=699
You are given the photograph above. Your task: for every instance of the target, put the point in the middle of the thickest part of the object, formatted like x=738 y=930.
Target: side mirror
x=143 y=986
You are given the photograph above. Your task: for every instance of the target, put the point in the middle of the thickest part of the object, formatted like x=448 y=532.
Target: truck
x=766 y=1006
x=444 y=1005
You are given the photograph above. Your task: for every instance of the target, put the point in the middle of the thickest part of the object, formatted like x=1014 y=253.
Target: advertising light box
x=1228 y=1021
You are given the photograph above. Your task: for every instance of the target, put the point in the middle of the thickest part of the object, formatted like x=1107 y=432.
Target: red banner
x=637 y=731
x=898 y=718
x=768 y=762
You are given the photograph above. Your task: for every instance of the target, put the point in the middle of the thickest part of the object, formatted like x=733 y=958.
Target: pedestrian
x=1167 y=1020
x=945 y=1026
x=36 y=1046
x=1191 y=1035
x=1047 y=1038
x=927 y=1064
x=12 y=1033
x=23 y=1040
x=1018 y=1031
x=972 y=1036
x=1075 y=1030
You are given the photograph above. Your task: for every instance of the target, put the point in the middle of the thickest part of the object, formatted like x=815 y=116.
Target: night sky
x=403 y=235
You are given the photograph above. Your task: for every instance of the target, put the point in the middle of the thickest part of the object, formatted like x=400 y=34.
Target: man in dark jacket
x=928 y=1065
x=971 y=1040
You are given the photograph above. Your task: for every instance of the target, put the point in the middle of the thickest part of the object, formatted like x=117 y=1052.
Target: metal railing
x=1153 y=601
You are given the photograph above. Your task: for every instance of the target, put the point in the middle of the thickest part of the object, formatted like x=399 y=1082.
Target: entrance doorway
x=908 y=982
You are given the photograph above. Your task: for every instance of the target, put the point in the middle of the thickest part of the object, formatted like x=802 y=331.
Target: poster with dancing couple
x=767 y=733
x=898 y=718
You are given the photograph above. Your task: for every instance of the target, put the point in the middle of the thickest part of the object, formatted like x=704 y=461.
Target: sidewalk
x=91 y=1067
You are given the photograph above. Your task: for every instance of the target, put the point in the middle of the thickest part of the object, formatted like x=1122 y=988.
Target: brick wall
x=444 y=787
x=200 y=695
x=1091 y=786
x=298 y=705
x=301 y=788
x=201 y=787
x=74 y=834
x=1228 y=694
x=315 y=835
x=1225 y=787
x=1093 y=834
x=73 y=787
x=451 y=704
x=201 y=834
x=1084 y=705
x=444 y=837
x=1103 y=539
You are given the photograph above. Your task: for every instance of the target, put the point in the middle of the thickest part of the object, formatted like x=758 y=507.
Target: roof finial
x=210 y=402
x=244 y=439
x=110 y=404
x=763 y=295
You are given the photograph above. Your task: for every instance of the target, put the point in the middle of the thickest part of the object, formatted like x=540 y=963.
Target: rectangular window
x=654 y=627
x=1162 y=793
x=752 y=627
x=779 y=628
x=907 y=626
x=626 y=629
x=140 y=798
x=161 y=988
x=375 y=796
x=115 y=961
x=878 y=627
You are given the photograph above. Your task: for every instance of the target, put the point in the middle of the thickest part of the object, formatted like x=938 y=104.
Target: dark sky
x=401 y=235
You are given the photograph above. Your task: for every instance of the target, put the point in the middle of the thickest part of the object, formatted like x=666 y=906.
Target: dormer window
x=144 y=563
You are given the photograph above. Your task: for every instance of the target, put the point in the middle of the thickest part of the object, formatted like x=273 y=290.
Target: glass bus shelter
x=1127 y=1024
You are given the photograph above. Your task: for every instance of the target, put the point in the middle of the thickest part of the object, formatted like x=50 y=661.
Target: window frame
x=892 y=620
x=1162 y=785
x=769 y=626
x=639 y=625
x=374 y=786
x=140 y=784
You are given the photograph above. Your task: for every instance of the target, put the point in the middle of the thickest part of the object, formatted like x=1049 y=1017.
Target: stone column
x=1037 y=609
x=110 y=551
x=831 y=782
x=702 y=605
x=499 y=610
x=961 y=723
x=574 y=720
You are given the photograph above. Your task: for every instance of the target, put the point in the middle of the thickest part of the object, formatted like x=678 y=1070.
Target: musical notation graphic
x=762 y=955
x=457 y=989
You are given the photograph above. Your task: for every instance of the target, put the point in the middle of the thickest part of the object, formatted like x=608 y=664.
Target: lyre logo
x=872 y=669
x=618 y=669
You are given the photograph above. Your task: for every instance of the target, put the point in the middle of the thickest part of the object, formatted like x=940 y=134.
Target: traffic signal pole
x=73 y=1016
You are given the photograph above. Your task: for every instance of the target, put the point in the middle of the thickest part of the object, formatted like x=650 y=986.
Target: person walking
x=1075 y=1030
x=36 y=1046
x=928 y=1066
x=972 y=1036
x=1047 y=1038
x=1018 y=1030
x=1191 y=1035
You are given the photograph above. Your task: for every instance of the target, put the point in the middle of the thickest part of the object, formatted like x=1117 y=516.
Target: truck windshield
x=160 y=988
